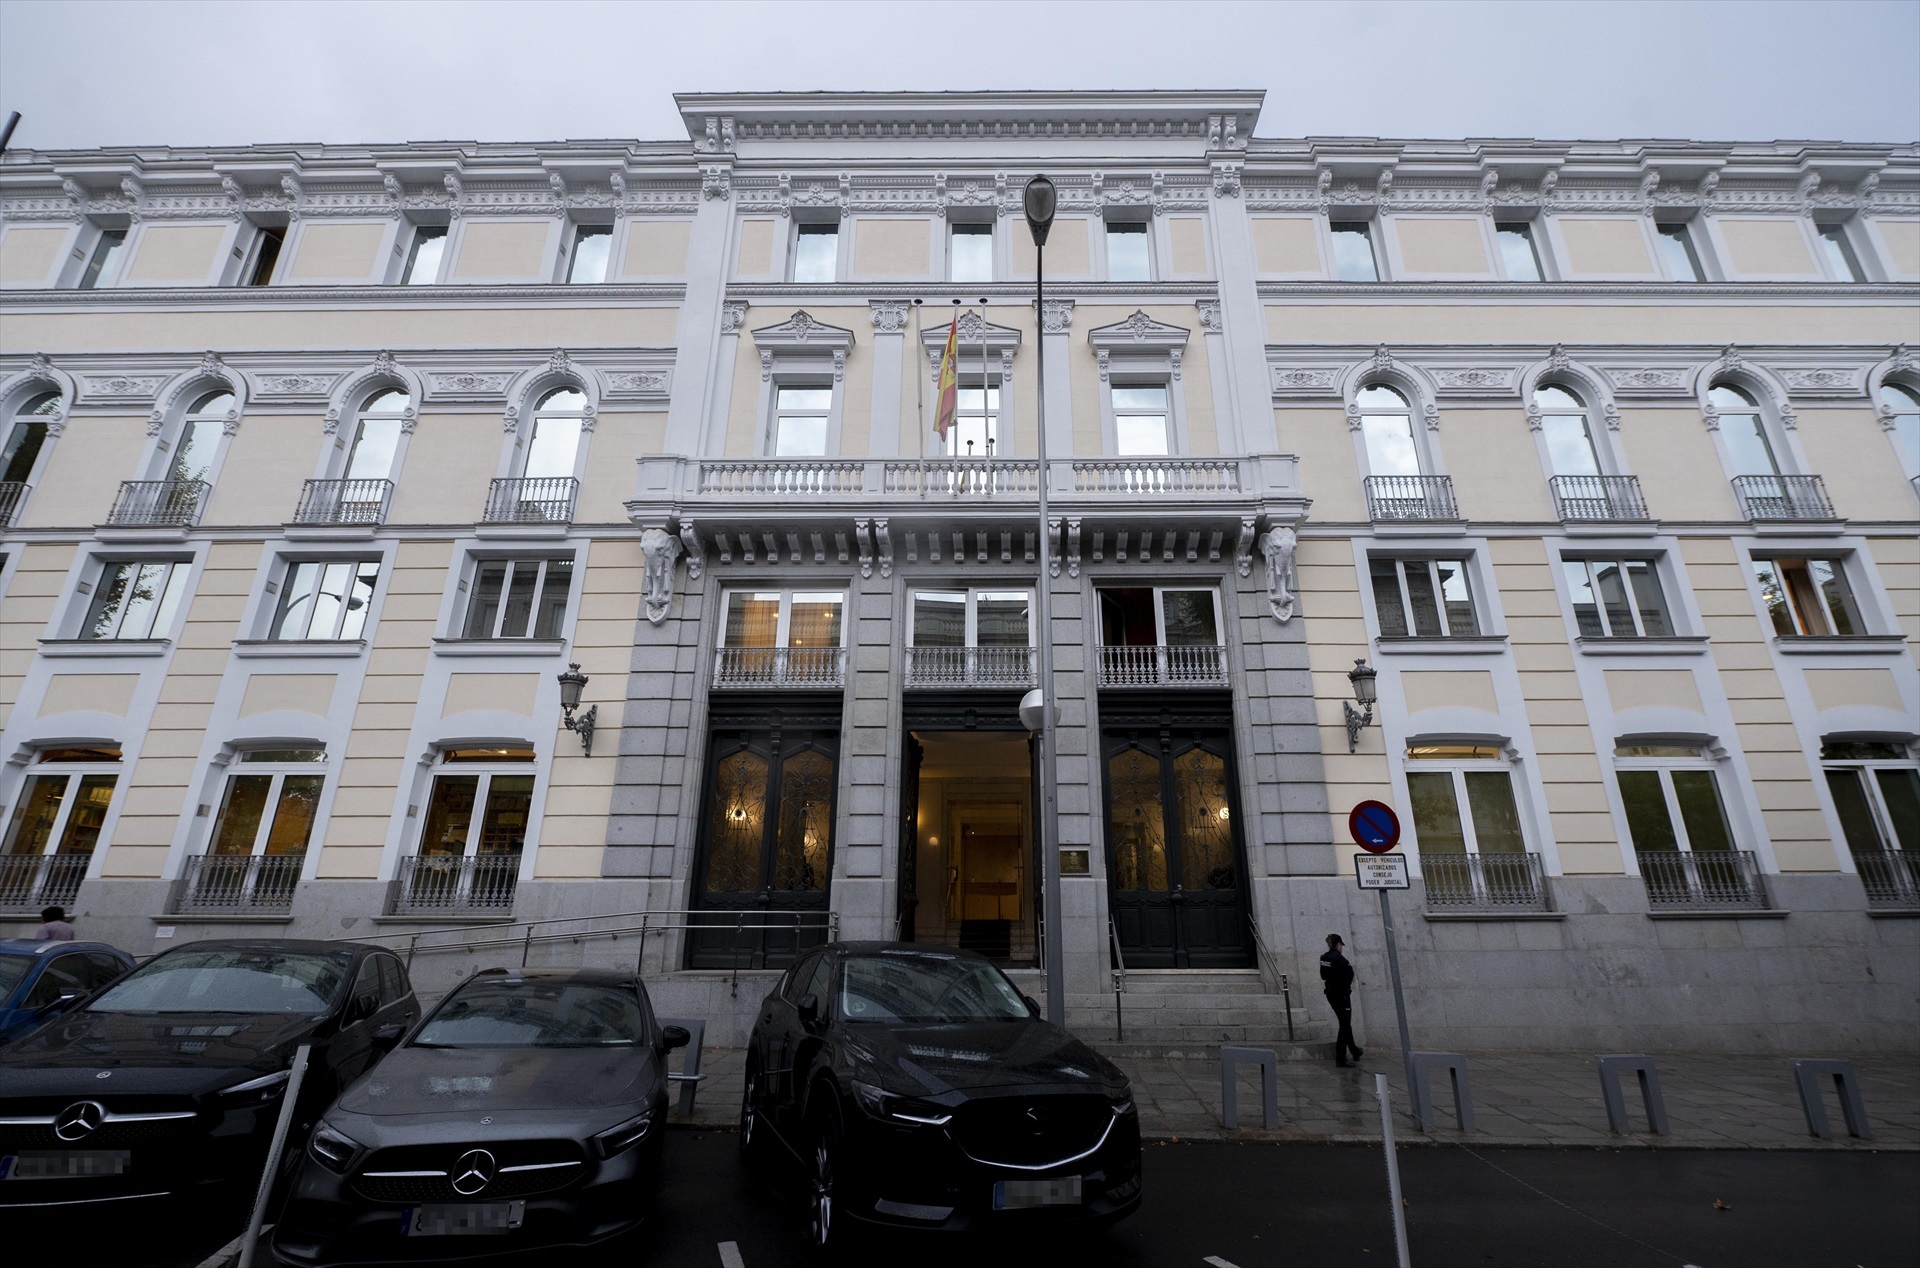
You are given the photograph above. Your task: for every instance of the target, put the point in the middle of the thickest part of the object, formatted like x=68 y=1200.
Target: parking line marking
x=1218 y=1262
x=730 y=1255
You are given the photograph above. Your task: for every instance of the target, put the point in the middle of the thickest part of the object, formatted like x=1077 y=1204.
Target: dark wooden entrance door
x=909 y=895
x=1175 y=865
x=766 y=853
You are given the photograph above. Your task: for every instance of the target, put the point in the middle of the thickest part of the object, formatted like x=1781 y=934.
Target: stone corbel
x=660 y=550
x=1243 y=549
x=1277 y=545
x=863 y=539
x=1073 y=549
x=696 y=550
x=884 y=539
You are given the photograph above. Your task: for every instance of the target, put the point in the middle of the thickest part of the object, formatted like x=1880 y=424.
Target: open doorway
x=969 y=881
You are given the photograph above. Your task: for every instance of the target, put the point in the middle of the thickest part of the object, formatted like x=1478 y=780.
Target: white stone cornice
x=1138 y=332
x=802 y=333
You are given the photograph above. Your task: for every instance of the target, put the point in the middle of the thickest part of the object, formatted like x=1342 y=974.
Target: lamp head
x=1040 y=200
x=571 y=684
x=1362 y=677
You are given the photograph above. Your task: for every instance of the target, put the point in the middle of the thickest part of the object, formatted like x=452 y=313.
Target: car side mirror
x=1033 y=1005
x=808 y=1008
x=387 y=1038
x=61 y=1005
x=366 y=1005
x=672 y=1037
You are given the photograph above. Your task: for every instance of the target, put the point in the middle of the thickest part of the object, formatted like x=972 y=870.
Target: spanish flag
x=947 y=405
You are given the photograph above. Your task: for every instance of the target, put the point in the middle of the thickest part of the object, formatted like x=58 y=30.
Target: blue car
x=36 y=976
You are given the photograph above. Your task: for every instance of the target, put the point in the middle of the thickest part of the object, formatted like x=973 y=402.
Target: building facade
x=324 y=463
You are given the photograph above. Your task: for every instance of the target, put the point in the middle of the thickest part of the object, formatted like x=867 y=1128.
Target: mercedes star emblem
x=473 y=1172
x=79 y=1120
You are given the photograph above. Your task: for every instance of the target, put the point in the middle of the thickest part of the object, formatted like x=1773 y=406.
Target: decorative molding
x=1899 y=367
x=1056 y=316
x=1823 y=382
x=1209 y=315
x=889 y=316
x=1306 y=380
x=121 y=387
x=294 y=385
x=468 y=384
x=624 y=384
x=1473 y=381
x=1138 y=332
x=733 y=315
x=802 y=332
x=1650 y=380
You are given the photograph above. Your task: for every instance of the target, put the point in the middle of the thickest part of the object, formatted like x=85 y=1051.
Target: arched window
x=26 y=436
x=1386 y=424
x=199 y=439
x=376 y=435
x=1745 y=432
x=558 y=420
x=1900 y=404
x=1568 y=430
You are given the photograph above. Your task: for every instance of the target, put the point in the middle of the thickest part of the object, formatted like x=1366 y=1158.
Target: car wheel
x=753 y=1133
x=828 y=1231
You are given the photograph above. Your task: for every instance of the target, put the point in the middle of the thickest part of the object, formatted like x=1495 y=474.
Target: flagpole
x=952 y=438
x=919 y=396
x=986 y=434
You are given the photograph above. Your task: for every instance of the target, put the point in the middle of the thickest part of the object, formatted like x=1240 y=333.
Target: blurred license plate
x=1010 y=1195
x=452 y=1219
x=64 y=1165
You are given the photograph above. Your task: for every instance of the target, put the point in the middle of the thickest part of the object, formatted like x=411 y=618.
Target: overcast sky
x=90 y=73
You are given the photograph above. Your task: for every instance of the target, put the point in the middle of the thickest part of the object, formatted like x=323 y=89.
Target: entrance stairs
x=1191 y=1012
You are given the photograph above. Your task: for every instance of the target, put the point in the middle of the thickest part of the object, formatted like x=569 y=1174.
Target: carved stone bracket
x=659 y=550
x=1243 y=548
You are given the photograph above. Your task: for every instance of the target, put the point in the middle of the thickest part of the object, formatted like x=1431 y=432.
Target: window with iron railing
x=260 y=837
x=782 y=638
x=472 y=835
x=1476 y=860
x=1681 y=834
x=1156 y=636
x=1875 y=785
x=55 y=825
x=971 y=638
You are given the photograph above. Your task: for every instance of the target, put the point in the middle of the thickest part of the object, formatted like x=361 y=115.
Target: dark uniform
x=1336 y=977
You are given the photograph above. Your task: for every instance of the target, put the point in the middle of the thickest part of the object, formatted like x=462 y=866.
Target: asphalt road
x=1265 y=1206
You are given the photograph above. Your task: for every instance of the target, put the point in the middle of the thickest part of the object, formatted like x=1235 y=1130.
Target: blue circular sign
x=1374 y=827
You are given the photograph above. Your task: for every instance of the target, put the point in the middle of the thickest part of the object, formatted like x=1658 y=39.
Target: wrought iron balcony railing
x=1411 y=498
x=233 y=884
x=159 y=503
x=344 y=502
x=1010 y=667
x=450 y=884
x=1891 y=878
x=1702 y=880
x=12 y=494
x=1201 y=665
x=1601 y=497
x=1783 y=497
x=29 y=882
x=542 y=500
x=1470 y=883
x=818 y=668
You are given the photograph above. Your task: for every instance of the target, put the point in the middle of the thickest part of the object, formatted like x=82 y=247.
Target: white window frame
x=1160 y=611
x=87 y=247
x=1853 y=268
x=407 y=249
x=783 y=623
x=1457 y=768
x=585 y=416
x=276 y=596
x=1842 y=562
x=570 y=246
x=238 y=766
x=486 y=771
x=72 y=772
x=467 y=592
x=1598 y=441
x=1535 y=241
x=1694 y=243
x=828 y=417
x=1664 y=767
x=348 y=442
x=13 y=401
x=971 y=597
x=87 y=592
x=1145 y=228
x=1400 y=561
x=955 y=226
x=1876 y=798
x=1890 y=415
x=802 y=352
x=1176 y=432
x=1655 y=566
x=806 y=221
x=1372 y=226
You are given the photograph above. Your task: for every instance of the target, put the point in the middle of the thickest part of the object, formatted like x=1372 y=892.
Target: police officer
x=1336 y=978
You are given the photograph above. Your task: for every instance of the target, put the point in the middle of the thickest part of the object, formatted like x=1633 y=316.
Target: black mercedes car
x=527 y=1113
x=170 y=1080
x=920 y=1090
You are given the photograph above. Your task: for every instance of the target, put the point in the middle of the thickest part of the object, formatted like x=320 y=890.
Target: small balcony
x=792 y=668
x=236 y=884
x=454 y=885
x=1201 y=665
x=344 y=502
x=1783 y=497
x=1483 y=884
x=1891 y=878
x=542 y=500
x=1416 y=498
x=1008 y=668
x=12 y=495
x=29 y=882
x=159 y=503
x=1702 y=880
x=1601 y=497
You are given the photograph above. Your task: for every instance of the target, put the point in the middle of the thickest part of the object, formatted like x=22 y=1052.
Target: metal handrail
x=12 y=494
x=532 y=500
x=1119 y=980
x=236 y=883
x=1691 y=880
x=343 y=502
x=1411 y=498
x=1162 y=665
x=29 y=881
x=165 y=503
x=805 y=667
x=1267 y=961
x=1891 y=878
x=1599 y=497
x=1483 y=882
x=969 y=666
x=1784 y=497
x=428 y=883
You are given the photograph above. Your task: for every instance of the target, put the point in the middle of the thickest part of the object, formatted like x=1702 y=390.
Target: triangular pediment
x=972 y=326
x=803 y=330
x=1138 y=331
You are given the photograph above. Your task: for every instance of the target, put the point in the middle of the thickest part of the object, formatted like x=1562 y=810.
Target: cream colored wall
x=657 y=248
x=449 y=462
x=506 y=693
x=1188 y=235
x=618 y=441
x=83 y=474
x=1287 y=246
x=89 y=693
x=1680 y=473
x=26 y=609
x=1765 y=247
x=892 y=248
x=1196 y=384
x=337 y=251
x=1495 y=465
x=1425 y=689
x=156 y=792
x=1069 y=250
x=1781 y=780
x=754 y=257
x=1466 y=323
x=376 y=761
x=291 y=693
x=1652 y=689
x=29 y=253
x=269 y=329
x=1900 y=236
x=1838 y=688
x=1336 y=634
x=267 y=462
x=1898 y=561
x=1856 y=456
x=176 y=253
x=1441 y=246
x=1570 y=772
x=1329 y=471
x=1605 y=246
x=743 y=418
x=503 y=250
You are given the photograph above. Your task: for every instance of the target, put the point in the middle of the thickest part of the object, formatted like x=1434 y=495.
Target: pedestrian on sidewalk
x=1336 y=978
x=54 y=926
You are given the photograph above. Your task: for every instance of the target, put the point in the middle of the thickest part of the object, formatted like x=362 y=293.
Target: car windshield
x=13 y=968
x=231 y=980
x=521 y=1014
x=924 y=987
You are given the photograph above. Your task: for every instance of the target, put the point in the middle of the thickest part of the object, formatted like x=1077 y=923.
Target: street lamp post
x=1039 y=201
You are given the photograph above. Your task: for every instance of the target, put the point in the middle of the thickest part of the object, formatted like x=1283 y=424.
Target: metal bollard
x=1420 y=1064
x=1231 y=1058
x=1611 y=1069
x=1807 y=1073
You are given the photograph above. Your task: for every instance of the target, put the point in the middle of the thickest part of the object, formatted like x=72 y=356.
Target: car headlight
x=1121 y=1103
x=256 y=1091
x=628 y=1134
x=332 y=1149
x=881 y=1103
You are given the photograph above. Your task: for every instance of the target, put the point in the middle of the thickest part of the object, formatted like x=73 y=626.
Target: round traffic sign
x=1374 y=826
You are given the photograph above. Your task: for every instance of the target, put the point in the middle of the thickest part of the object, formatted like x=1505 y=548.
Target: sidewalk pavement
x=1548 y=1099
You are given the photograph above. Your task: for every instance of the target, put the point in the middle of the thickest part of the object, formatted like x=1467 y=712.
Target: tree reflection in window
x=1139 y=821
x=1206 y=827
x=739 y=820
x=806 y=822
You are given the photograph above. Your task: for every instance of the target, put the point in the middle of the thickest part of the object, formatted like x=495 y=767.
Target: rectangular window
x=1353 y=252
x=976 y=424
x=1157 y=636
x=970 y=253
x=1676 y=246
x=816 y=252
x=1140 y=420
x=136 y=599
x=800 y=421
x=1672 y=806
x=1129 y=254
x=1423 y=598
x=1842 y=263
x=59 y=812
x=972 y=618
x=1876 y=789
x=266 y=254
x=782 y=638
x=518 y=598
x=22 y=449
x=424 y=256
x=100 y=263
x=591 y=245
x=1492 y=822
x=1518 y=252
x=325 y=599
x=1808 y=597
x=1617 y=598
x=270 y=804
